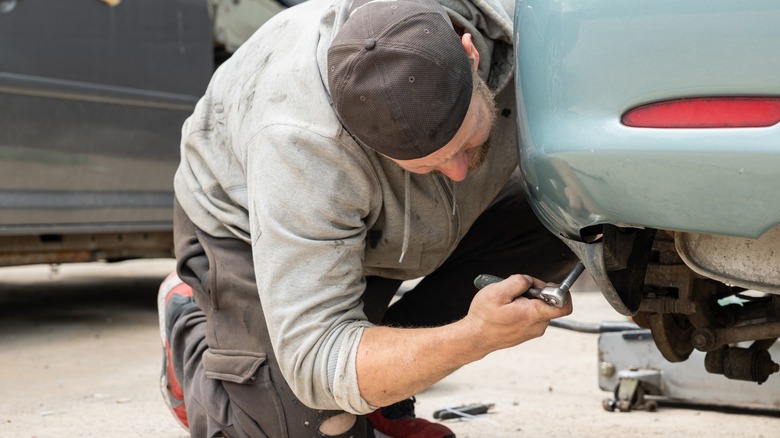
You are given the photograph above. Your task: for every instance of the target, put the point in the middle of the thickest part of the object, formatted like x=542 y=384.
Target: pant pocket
x=255 y=406
x=208 y=279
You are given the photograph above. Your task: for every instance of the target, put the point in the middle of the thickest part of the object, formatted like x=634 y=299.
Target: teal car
x=649 y=143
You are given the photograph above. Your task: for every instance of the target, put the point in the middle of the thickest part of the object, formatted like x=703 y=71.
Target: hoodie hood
x=490 y=24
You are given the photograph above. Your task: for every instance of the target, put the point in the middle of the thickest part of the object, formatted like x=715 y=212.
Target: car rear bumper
x=582 y=65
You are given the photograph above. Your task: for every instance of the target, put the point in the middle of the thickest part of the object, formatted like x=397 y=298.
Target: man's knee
x=338 y=424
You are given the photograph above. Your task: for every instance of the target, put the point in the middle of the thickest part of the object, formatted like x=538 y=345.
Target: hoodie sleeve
x=309 y=201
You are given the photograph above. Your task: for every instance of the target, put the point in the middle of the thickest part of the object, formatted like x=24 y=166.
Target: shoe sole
x=170 y=283
x=163 y=295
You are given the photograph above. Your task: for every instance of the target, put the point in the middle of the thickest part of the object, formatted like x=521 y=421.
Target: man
x=342 y=150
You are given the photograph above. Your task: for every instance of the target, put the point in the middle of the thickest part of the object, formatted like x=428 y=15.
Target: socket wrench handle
x=554 y=296
x=572 y=277
x=483 y=280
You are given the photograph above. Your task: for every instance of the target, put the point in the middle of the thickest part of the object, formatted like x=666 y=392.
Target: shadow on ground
x=88 y=293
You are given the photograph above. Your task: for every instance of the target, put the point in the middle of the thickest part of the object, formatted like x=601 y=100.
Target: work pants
x=231 y=380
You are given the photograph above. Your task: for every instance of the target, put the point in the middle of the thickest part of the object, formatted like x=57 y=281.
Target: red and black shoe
x=398 y=421
x=173 y=299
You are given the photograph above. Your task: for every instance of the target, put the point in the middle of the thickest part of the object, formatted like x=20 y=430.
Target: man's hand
x=396 y=363
x=499 y=317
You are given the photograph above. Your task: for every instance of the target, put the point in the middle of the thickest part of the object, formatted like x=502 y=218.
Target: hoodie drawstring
x=454 y=204
x=407 y=213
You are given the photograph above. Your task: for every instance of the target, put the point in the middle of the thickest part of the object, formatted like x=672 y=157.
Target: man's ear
x=471 y=50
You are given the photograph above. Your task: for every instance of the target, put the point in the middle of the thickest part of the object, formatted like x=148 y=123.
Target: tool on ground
x=462 y=411
x=554 y=296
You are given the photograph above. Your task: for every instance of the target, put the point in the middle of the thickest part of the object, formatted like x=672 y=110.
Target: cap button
x=370 y=43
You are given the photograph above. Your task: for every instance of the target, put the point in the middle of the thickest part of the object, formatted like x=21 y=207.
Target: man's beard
x=478 y=154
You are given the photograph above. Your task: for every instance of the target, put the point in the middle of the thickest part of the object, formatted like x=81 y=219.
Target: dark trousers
x=222 y=353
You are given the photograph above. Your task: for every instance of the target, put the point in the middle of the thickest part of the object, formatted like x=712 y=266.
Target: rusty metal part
x=753 y=311
x=667 y=305
x=749 y=263
x=73 y=248
x=672 y=335
x=677 y=301
x=642 y=319
x=748 y=364
x=709 y=339
x=642 y=273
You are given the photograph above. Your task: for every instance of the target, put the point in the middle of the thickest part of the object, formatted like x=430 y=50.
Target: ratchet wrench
x=554 y=296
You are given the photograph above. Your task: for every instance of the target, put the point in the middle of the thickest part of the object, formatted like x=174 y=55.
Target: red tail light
x=706 y=112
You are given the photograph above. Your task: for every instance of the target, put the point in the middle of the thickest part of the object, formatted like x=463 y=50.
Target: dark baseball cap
x=399 y=77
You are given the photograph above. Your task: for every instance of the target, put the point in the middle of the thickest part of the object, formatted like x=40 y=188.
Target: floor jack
x=632 y=368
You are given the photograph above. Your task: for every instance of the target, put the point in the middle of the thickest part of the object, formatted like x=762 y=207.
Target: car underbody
x=716 y=294
x=87 y=247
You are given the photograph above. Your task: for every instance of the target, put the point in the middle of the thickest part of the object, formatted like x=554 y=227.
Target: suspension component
x=752 y=365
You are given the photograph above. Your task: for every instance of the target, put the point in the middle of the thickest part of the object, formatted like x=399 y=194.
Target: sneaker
x=173 y=298
x=398 y=421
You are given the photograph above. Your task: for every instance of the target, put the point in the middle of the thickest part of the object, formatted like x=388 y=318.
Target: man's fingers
x=544 y=311
x=539 y=284
x=514 y=286
x=549 y=312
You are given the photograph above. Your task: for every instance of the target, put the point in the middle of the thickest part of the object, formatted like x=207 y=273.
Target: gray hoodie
x=265 y=160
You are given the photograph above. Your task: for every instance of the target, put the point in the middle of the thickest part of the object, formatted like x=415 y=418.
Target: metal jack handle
x=554 y=296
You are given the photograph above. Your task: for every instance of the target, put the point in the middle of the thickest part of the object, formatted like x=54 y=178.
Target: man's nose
x=457 y=167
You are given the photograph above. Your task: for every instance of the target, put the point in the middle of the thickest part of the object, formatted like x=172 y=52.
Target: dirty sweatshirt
x=264 y=159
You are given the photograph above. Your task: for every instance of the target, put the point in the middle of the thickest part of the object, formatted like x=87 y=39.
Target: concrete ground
x=80 y=357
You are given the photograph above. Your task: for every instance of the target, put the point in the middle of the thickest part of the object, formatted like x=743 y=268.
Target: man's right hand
x=395 y=363
x=499 y=317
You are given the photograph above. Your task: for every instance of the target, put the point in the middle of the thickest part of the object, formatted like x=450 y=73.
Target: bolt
x=703 y=339
x=607 y=369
